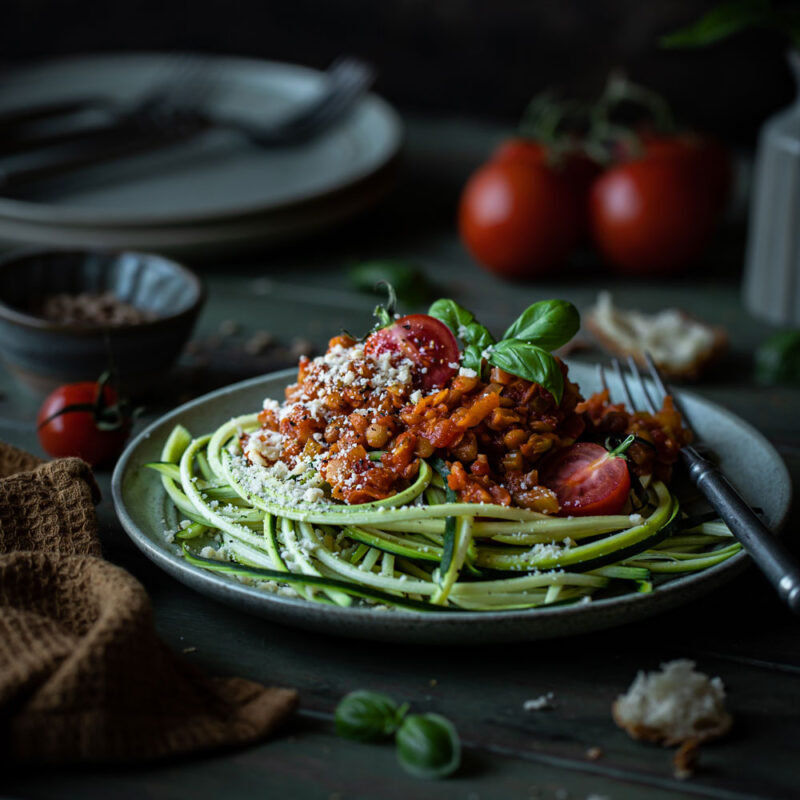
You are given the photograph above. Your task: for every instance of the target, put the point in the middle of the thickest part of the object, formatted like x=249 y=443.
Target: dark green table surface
x=741 y=633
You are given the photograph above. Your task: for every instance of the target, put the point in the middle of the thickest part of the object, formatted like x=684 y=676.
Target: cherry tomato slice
x=75 y=433
x=587 y=480
x=423 y=339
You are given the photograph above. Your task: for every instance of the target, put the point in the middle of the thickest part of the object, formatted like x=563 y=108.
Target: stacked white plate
x=210 y=194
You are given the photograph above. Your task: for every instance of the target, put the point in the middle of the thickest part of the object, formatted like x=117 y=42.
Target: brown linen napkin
x=83 y=676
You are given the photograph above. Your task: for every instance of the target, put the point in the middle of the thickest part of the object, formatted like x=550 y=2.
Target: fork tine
x=665 y=390
x=655 y=374
x=601 y=377
x=348 y=79
x=623 y=383
x=637 y=375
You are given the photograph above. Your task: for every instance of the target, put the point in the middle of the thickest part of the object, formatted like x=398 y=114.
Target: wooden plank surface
x=741 y=633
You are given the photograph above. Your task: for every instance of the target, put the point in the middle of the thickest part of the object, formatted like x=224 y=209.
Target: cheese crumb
x=541 y=703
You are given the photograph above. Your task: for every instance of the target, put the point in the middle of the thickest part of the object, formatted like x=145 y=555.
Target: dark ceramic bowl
x=43 y=354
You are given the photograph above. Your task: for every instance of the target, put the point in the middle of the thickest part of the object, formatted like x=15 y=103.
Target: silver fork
x=179 y=109
x=771 y=557
x=191 y=92
x=348 y=78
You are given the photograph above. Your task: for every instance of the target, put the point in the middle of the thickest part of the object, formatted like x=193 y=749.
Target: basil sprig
x=548 y=324
x=368 y=716
x=427 y=744
x=474 y=337
x=529 y=361
x=525 y=348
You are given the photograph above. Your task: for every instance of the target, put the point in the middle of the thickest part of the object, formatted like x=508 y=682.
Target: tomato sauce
x=365 y=424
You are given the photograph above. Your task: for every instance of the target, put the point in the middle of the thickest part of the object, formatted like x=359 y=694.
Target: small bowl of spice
x=70 y=315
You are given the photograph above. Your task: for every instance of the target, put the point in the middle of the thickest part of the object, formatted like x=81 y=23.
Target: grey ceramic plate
x=216 y=186
x=749 y=460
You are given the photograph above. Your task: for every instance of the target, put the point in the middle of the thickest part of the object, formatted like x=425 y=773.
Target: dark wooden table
x=741 y=633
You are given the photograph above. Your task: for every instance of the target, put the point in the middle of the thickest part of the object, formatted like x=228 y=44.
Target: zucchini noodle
x=413 y=550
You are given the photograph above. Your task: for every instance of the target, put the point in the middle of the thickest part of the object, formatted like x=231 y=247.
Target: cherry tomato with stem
x=84 y=420
x=424 y=340
x=588 y=479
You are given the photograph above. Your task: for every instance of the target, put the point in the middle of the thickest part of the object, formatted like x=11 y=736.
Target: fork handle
x=772 y=558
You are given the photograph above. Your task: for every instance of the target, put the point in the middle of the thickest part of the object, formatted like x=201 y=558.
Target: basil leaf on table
x=368 y=716
x=529 y=361
x=428 y=746
x=411 y=284
x=548 y=323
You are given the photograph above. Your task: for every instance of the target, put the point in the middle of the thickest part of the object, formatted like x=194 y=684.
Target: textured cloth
x=83 y=677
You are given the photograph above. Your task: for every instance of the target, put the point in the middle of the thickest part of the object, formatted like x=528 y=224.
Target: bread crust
x=704 y=731
x=689 y=373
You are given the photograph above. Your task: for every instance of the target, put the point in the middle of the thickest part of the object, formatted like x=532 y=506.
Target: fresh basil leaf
x=548 y=323
x=474 y=336
x=411 y=284
x=367 y=716
x=452 y=314
x=778 y=359
x=722 y=21
x=472 y=357
x=428 y=746
x=477 y=334
x=529 y=361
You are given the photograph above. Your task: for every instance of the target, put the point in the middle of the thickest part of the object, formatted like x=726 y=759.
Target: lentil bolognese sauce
x=492 y=434
x=407 y=472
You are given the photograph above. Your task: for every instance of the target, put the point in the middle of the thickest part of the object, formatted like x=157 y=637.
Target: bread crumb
x=673 y=706
x=594 y=753
x=685 y=760
x=680 y=345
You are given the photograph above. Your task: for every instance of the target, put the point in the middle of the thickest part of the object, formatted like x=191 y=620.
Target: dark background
x=472 y=57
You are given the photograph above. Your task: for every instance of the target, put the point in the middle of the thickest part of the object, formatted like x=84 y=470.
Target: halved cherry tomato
x=519 y=219
x=423 y=339
x=587 y=480
x=76 y=433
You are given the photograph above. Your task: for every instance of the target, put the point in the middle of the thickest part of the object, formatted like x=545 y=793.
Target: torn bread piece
x=680 y=345
x=673 y=706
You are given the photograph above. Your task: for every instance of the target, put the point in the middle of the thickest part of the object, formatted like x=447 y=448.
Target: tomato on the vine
x=518 y=218
x=587 y=480
x=77 y=420
x=710 y=160
x=572 y=164
x=649 y=216
x=424 y=340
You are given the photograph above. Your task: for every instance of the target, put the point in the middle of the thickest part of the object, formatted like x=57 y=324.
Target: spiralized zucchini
x=415 y=550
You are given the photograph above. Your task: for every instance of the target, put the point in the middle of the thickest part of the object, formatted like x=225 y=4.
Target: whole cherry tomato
x=424 y=340
x=710 y=159
x=71 y=422
x=587 y=480
x=650 y=216
x=519 y=219
x=576 y=168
